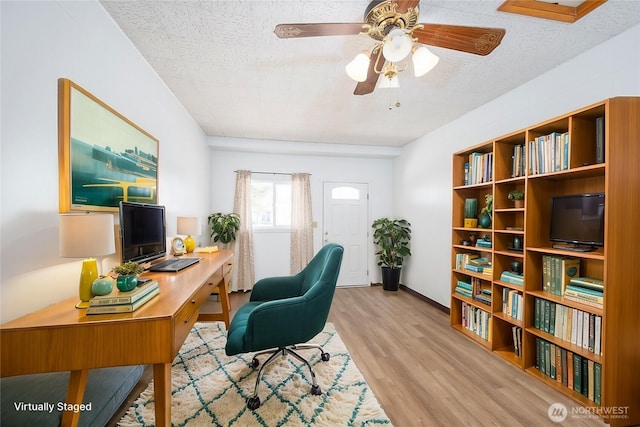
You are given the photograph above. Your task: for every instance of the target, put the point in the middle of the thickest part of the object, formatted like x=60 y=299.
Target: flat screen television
x=143 y=232
x=579 y=220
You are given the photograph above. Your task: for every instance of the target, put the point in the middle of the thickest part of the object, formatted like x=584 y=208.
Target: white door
x=346 y=222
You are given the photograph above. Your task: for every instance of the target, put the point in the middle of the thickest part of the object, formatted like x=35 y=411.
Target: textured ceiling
x=237 y=79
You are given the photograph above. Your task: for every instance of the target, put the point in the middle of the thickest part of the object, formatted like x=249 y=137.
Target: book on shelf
x=573 y=371
x=511 y=277
x=483 y=243
x=600 y=139
x=518 y=160
x=123 y=308
x=474 y=268
x=549 y=153
x=479 y=168
x=568 y=324
x=480 y=261
x=557 y=273
x=117 y=297
x=588 y=283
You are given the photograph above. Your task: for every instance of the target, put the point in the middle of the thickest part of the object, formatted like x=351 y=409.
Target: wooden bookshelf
x=574 y=172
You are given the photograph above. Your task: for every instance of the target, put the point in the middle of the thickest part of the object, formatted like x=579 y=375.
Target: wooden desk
x=63 y=338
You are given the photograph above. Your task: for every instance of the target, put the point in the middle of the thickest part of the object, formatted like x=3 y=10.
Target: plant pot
x=470 y=222
x=127 y=283
x=518 y=204
x=390 y=278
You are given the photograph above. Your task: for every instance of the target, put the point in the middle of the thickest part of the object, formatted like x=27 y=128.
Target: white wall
x=422 y=174
x=271 y=249
x=41 y=42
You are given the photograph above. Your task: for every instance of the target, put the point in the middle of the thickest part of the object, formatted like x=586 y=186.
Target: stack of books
x=123 y=302
x=483 y=243
x=478 y=264
x=464 y=288
x=511 y=277
x=586 y=290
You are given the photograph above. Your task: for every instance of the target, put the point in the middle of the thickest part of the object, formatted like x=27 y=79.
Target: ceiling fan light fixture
x=358 y=68
x=397 y=45
x=423 y=60
x=389 y=82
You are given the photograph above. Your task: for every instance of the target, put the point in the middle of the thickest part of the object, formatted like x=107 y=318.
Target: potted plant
x=518 y=198
x=127 y=275
x=224 y=227
x=486 y=212
x=392 y=237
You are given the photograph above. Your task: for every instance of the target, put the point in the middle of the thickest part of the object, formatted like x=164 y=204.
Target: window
x=345 y=193
x=271 y=202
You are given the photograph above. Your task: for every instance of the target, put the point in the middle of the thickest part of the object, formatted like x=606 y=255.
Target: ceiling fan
x=393 y=24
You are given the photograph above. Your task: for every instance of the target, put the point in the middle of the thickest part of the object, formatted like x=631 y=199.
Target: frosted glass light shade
x=389 y=83
x=86 y=235
x=423 y=61
x=397 y=45
x=359 y=67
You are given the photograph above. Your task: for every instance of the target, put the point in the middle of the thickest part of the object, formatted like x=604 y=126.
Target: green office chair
x=283 y=313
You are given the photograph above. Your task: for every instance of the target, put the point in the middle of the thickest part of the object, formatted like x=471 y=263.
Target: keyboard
x=173 y=265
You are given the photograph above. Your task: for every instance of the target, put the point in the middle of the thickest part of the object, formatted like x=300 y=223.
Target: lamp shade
x=389 y=83
x=359 y=67
x=397 y=45
x=84 y=235
x=188 y=225
x=423 y=61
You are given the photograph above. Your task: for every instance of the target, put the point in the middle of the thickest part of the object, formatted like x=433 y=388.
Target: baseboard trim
x=425 y=299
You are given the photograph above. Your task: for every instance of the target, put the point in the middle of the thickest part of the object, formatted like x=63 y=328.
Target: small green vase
x=127 y=283
x=485 y=221
x=102 y=286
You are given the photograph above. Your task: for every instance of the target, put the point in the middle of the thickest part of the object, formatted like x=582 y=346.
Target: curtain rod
x=271 y=173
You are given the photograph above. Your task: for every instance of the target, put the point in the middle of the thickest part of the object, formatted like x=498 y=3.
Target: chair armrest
x=274 y=288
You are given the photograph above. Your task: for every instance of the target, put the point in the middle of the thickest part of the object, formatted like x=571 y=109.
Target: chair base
x=254 y=401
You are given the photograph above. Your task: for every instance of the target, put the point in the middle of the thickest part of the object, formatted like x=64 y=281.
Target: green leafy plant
x=488 y=205
x=515 y=195
x=392 y=237
x=224 y=227
x=128 y=269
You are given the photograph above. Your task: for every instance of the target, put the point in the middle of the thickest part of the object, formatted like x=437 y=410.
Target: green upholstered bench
x=36 y=400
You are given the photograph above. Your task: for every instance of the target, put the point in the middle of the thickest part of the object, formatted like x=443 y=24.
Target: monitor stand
x=575 y=247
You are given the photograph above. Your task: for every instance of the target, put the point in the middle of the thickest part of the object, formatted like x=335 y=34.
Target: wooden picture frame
x=103 y=157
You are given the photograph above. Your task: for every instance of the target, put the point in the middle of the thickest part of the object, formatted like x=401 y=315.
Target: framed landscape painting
x=103 y=157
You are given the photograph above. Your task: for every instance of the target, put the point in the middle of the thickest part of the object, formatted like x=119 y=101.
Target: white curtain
x=301 y=222
x=243 y=270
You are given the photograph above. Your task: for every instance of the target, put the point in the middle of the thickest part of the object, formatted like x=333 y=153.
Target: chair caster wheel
x=316 y=390
x=325 y=357
x=253 y=402
x=255 y=362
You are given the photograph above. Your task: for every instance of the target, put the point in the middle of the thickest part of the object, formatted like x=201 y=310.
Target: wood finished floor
x=424 y=373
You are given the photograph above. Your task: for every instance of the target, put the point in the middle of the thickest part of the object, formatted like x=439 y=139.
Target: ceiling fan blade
x=369 y=85
x=292 y=31
x=404 y=5
x=476 y=40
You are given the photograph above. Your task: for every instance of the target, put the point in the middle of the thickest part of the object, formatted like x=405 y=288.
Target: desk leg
x=224 y=301
x=162 y=393
x=75 y=392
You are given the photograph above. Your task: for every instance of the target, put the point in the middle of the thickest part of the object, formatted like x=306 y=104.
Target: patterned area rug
x=210 y=388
